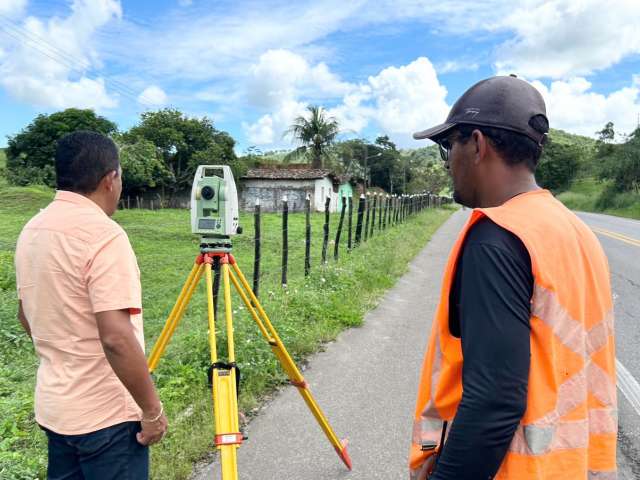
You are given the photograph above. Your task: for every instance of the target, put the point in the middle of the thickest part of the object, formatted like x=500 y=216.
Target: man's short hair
x=513 y=147
x=82 y=159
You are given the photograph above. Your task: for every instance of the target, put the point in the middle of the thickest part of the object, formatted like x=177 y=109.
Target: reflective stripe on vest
x=550 y=433
x=570 y=426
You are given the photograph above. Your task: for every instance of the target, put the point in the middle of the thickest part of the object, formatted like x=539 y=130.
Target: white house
x=271 y=185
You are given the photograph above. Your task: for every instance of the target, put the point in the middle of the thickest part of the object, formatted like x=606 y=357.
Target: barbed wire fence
x=288 y=246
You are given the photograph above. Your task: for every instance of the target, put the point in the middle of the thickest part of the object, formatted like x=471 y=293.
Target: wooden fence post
x=367 y=206
x=384 y=212
x=360 y=218
x=257 y=248
x=380 y=212
x=285 y=239
x=337 y=246
x=325 y=237
x=350 y=222
x=307 y=236
x=373 y=214
x=396 y=210
x=393 y=205
x=393 y=200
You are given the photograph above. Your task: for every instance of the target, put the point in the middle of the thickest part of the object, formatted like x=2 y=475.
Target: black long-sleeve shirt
x=489 y=312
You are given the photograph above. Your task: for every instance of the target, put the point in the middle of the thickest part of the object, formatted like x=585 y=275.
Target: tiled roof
x=287 y=174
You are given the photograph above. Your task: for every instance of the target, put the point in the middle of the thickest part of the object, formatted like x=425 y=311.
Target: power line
x=63 y=57
x=59 y=56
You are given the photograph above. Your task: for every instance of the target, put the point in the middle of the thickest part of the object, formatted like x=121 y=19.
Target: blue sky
x=380 y=67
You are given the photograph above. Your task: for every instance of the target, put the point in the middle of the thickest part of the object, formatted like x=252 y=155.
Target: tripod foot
x=343 y=454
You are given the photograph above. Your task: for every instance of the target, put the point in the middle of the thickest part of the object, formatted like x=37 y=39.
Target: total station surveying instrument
x=214 y=216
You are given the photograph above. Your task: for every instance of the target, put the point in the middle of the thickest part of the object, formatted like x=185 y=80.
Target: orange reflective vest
x=569 y=428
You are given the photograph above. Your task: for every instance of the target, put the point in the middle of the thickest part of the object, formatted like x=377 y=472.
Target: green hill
x=587 y=192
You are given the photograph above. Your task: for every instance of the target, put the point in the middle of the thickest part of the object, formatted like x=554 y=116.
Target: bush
x=611 y=198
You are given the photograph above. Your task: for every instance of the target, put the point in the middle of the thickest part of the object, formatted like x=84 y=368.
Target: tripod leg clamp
x=224 y=366
x=228 y=439
x=302 y=384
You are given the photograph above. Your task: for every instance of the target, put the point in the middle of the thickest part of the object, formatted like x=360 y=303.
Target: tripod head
x=214 y=207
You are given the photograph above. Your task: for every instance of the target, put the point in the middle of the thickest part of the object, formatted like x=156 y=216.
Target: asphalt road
x=366 y=380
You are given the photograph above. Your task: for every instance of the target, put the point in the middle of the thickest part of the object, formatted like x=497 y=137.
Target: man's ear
x=108 y=180
x=479 y=142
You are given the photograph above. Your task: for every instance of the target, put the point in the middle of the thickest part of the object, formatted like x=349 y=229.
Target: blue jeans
x=112 y=453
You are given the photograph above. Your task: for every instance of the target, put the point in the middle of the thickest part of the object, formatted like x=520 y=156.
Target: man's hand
x=152 y=431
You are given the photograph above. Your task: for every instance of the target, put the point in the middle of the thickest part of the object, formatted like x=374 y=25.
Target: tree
x=607 y=134
x=31 y=153
x=315 y=133
x=426 y=171
x=142 y=166
x=558 y=165
x=621 y=164
x=384 y=165
x=183 y=143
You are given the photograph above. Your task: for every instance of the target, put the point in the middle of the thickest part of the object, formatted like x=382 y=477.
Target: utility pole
x=366 y=154
x=366 y=169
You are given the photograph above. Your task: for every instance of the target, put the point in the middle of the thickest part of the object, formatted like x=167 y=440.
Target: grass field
x=310 y=312
x=584 y=195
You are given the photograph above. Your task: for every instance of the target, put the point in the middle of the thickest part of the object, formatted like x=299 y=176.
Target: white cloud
x=566 y=38
x=12 y=7
x=260 y=132
x=457 y=66
x=399 y=100
x=185 y=3
x=50 y=64
x=153 y=96
x=83 y=93
x=409 y=98
x=572 y=106
x=224 y=40
x=278 y=82
x=282 y=74
x=270 y=129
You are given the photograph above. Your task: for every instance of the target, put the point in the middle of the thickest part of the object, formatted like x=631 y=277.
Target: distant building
x=271 y=185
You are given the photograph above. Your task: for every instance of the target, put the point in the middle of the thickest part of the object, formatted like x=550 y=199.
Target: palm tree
x=315 y=134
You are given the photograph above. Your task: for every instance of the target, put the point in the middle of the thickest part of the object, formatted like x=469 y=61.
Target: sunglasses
x=446 y=144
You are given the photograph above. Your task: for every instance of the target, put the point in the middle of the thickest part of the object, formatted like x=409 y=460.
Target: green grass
x=310 y=312
x=586 y=194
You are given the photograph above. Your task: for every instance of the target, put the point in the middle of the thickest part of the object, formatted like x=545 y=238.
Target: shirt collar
x=77 y=199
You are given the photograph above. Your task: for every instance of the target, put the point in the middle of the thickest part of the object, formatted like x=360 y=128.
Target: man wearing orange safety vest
x=518 y=379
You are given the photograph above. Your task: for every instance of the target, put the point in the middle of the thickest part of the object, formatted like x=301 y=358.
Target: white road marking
x=629 y=386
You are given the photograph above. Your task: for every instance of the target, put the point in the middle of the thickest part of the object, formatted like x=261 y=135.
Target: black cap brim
x=434 y=133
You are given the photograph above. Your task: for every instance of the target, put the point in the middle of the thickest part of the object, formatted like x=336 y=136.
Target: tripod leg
x=268 y=331
x=175 y=316
x=225 y=401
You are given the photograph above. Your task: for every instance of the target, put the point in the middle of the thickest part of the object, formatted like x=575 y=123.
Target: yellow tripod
x=224 y=387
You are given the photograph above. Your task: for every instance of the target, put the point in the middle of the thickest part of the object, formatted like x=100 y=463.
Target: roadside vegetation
x=594 y=175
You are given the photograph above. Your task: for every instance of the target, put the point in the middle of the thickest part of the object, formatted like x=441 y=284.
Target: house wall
x=271 y=192
x=324 y=189
x=346 y=191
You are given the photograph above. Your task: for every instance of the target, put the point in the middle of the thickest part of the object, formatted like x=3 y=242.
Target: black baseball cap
x=500 y=102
